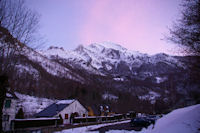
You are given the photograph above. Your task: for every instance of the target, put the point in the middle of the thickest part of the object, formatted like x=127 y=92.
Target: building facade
x=9 y=111
x=67 y=109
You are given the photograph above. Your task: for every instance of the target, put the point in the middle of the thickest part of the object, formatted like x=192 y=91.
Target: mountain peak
x=110 y=45
x=55 y=47
x=79 y=48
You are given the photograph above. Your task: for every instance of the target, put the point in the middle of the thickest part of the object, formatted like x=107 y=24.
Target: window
x=66 y=116
x=7 y=103
x=83 y=115
x=6 y=118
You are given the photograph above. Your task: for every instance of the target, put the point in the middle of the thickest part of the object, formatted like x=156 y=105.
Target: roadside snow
x=88 y=129
x=184 y=120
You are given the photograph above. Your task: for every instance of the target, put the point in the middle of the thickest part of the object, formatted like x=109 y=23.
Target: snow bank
x=184 y=120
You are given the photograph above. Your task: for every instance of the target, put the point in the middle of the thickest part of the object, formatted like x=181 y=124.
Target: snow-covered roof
x=65 y=101
x=54 y=108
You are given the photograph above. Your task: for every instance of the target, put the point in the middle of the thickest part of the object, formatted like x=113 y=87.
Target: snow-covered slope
x=31 y=104
x=50 y=66
x=184 y=120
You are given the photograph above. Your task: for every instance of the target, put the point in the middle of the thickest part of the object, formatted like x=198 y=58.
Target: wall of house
x=11 y=112
x=72 y=108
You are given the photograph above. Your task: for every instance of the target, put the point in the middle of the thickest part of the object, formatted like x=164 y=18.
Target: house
x=9 y=110
x=67 y=109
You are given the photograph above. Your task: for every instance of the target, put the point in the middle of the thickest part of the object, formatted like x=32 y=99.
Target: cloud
x=129 y=22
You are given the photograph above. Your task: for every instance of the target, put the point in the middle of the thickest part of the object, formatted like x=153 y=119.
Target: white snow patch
x=9 y=95
x=151 y=96
x=118 y=79
x=108 y=67
x=160 y=79
x=109 y=96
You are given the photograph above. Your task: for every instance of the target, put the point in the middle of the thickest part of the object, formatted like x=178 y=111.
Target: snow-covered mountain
x=144 y=73
x=89 y=72
x=106 y=57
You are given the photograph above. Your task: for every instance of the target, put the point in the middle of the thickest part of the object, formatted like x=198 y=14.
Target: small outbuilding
x=67 y=109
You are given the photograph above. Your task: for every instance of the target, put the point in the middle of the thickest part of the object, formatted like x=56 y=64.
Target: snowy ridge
x=168 y=59
x=107 y=56
x=54 y=51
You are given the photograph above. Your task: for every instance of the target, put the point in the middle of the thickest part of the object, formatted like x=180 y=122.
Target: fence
x=93 y=119
x=48 y=125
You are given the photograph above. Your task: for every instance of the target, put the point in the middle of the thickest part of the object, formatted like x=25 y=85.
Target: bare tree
x=186 y=33
x=18 y=26
x=186 y=30
x=21 y=22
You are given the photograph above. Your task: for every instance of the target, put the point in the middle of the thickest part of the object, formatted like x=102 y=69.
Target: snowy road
x=97 y=128
x=121 y=126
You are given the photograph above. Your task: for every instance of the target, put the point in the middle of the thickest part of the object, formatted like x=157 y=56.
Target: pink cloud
x=125 y=22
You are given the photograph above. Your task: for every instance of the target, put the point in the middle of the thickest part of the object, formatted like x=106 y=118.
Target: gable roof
x=54 y=108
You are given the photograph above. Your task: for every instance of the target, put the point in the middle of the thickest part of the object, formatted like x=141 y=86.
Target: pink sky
x=135 y=24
